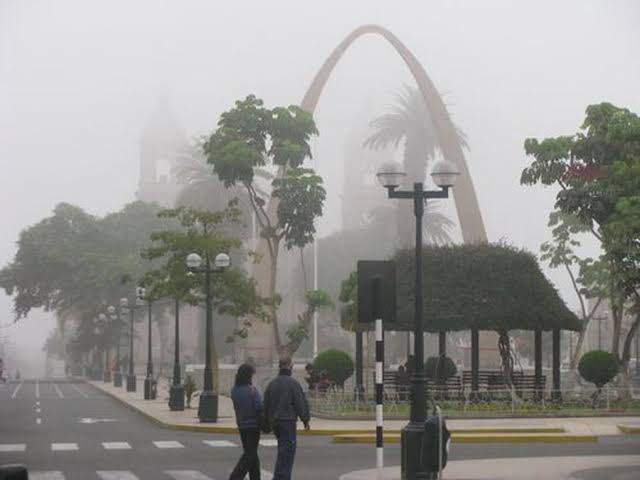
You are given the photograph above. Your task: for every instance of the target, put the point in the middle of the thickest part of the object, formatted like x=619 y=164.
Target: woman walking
x=248 y=407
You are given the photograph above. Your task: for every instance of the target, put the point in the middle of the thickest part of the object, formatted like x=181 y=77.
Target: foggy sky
x=79 y=79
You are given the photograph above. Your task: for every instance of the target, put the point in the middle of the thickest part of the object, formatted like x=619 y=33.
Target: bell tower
x=160 y=141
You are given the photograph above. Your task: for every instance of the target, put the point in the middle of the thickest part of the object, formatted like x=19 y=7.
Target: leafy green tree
x=409 y=121
x=206 y=233
x=598 y=175
x=75 y=264
x=248 y=139
x=590 y=279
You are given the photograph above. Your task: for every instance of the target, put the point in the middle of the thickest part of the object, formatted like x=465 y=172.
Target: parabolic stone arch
x=260 y=343
x=468 y=210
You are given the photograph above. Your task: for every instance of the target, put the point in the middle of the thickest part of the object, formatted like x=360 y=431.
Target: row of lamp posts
x=208 y=406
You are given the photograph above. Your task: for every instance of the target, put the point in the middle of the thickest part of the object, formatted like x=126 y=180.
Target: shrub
x=441 y=368
x=598 y=367
x=338 y=364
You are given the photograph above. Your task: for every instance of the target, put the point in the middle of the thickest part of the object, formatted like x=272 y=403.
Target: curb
x=470 y=438
x=629 y=428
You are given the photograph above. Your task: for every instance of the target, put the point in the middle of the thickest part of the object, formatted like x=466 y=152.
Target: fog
x=79 y=80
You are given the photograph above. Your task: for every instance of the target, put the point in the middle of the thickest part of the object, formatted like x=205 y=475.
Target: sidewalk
x=463 y=430
x=561 y=468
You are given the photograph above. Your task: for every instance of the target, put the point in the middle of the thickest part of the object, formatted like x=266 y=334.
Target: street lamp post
x=115 y=315
x=131 y=377
x=176 y=392
x=208 y=405
x=444 y=175
x=104 y=322
x=148 y=381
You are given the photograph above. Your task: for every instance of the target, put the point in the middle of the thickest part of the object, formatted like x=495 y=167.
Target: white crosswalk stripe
x=168 y=444
x=264 y=475
x=269 y=442
x=12 y=447
x=220 y=443
x=64 y=447
x=116 y=445
x=52 y=475
x=116 y=475
x=186 y=475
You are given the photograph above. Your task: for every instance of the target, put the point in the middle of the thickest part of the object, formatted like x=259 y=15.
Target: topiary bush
x=441 y=368
x=338 y=364
x=598 y=367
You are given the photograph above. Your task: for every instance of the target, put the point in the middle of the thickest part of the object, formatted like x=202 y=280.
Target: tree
x=409 y=120
x=249 y=138
x=206 y=233
x=592 y=277
x=75 y=264
x=598 y=173
x=338 y=365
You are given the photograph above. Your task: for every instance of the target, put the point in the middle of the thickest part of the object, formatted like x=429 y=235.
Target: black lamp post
x=104 y=323
x=176 y=392
x=148 y=381
x=131 y=377
x=119 y=316
x=208 y=406
x=390 y=175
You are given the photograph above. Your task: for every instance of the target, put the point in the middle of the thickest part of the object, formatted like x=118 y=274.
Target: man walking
x=284 y=403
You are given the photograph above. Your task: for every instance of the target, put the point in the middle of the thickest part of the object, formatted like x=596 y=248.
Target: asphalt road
x=64 y=430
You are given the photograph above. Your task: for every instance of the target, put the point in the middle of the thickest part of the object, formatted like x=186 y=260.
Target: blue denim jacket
x=247 y=404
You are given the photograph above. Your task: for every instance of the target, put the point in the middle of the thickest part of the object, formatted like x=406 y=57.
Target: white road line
x=38 y=403
x=38 y=420
x=79 y=391
x=116 y=445
x=64 y=447
x=116 y=475
x=57 y=389
x=37 y=389
x=13 y=447
x=168 y=444
x=186 y=475
x=38 y=410
x=264 y=475
x=220 y=443
x=15 y=392
x=51 y=475
x=269 y=442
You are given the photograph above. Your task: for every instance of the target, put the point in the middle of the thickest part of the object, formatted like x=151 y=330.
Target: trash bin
x=436 y=444
x=13 y=472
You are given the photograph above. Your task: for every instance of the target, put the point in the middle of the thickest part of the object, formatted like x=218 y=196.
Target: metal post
x=131 y=378
x=176 y=392
x=315 y=287
x=148 y=381
x=117 y=376
x=557 y=393
x=475 y=364
x=208 y=405
x=359 y=366
x=377 y=314
x=413 y=434
x=538 y=363
x=442 y=344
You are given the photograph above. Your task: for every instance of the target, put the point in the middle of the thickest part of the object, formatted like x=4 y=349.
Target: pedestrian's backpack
x=431 y=447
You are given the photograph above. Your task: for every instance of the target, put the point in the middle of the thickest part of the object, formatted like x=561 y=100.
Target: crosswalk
x=124 y=445
x=129 y=475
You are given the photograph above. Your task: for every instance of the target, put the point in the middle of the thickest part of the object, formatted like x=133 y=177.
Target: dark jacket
x=247 y=405
x=284 y=399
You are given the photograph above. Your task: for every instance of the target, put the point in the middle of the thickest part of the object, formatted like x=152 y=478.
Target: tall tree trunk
x=624 y=381
x=577 y=353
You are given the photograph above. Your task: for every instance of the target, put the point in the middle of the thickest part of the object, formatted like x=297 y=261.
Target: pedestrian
x=247 y=405
x=311 y=377
x=284 y=403
x=324 y=385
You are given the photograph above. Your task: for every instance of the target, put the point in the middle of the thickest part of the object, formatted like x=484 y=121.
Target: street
x=69 y=430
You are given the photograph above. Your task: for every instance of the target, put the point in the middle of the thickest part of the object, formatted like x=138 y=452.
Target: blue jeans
x=285 y=432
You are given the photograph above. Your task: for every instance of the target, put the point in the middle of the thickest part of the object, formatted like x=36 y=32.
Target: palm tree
x=409 y=120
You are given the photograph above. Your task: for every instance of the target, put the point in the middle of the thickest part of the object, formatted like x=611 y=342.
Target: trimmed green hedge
x=598 y=367
x=338 y=364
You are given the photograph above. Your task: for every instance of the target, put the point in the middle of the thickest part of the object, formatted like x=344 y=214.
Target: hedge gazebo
x=483 y=287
